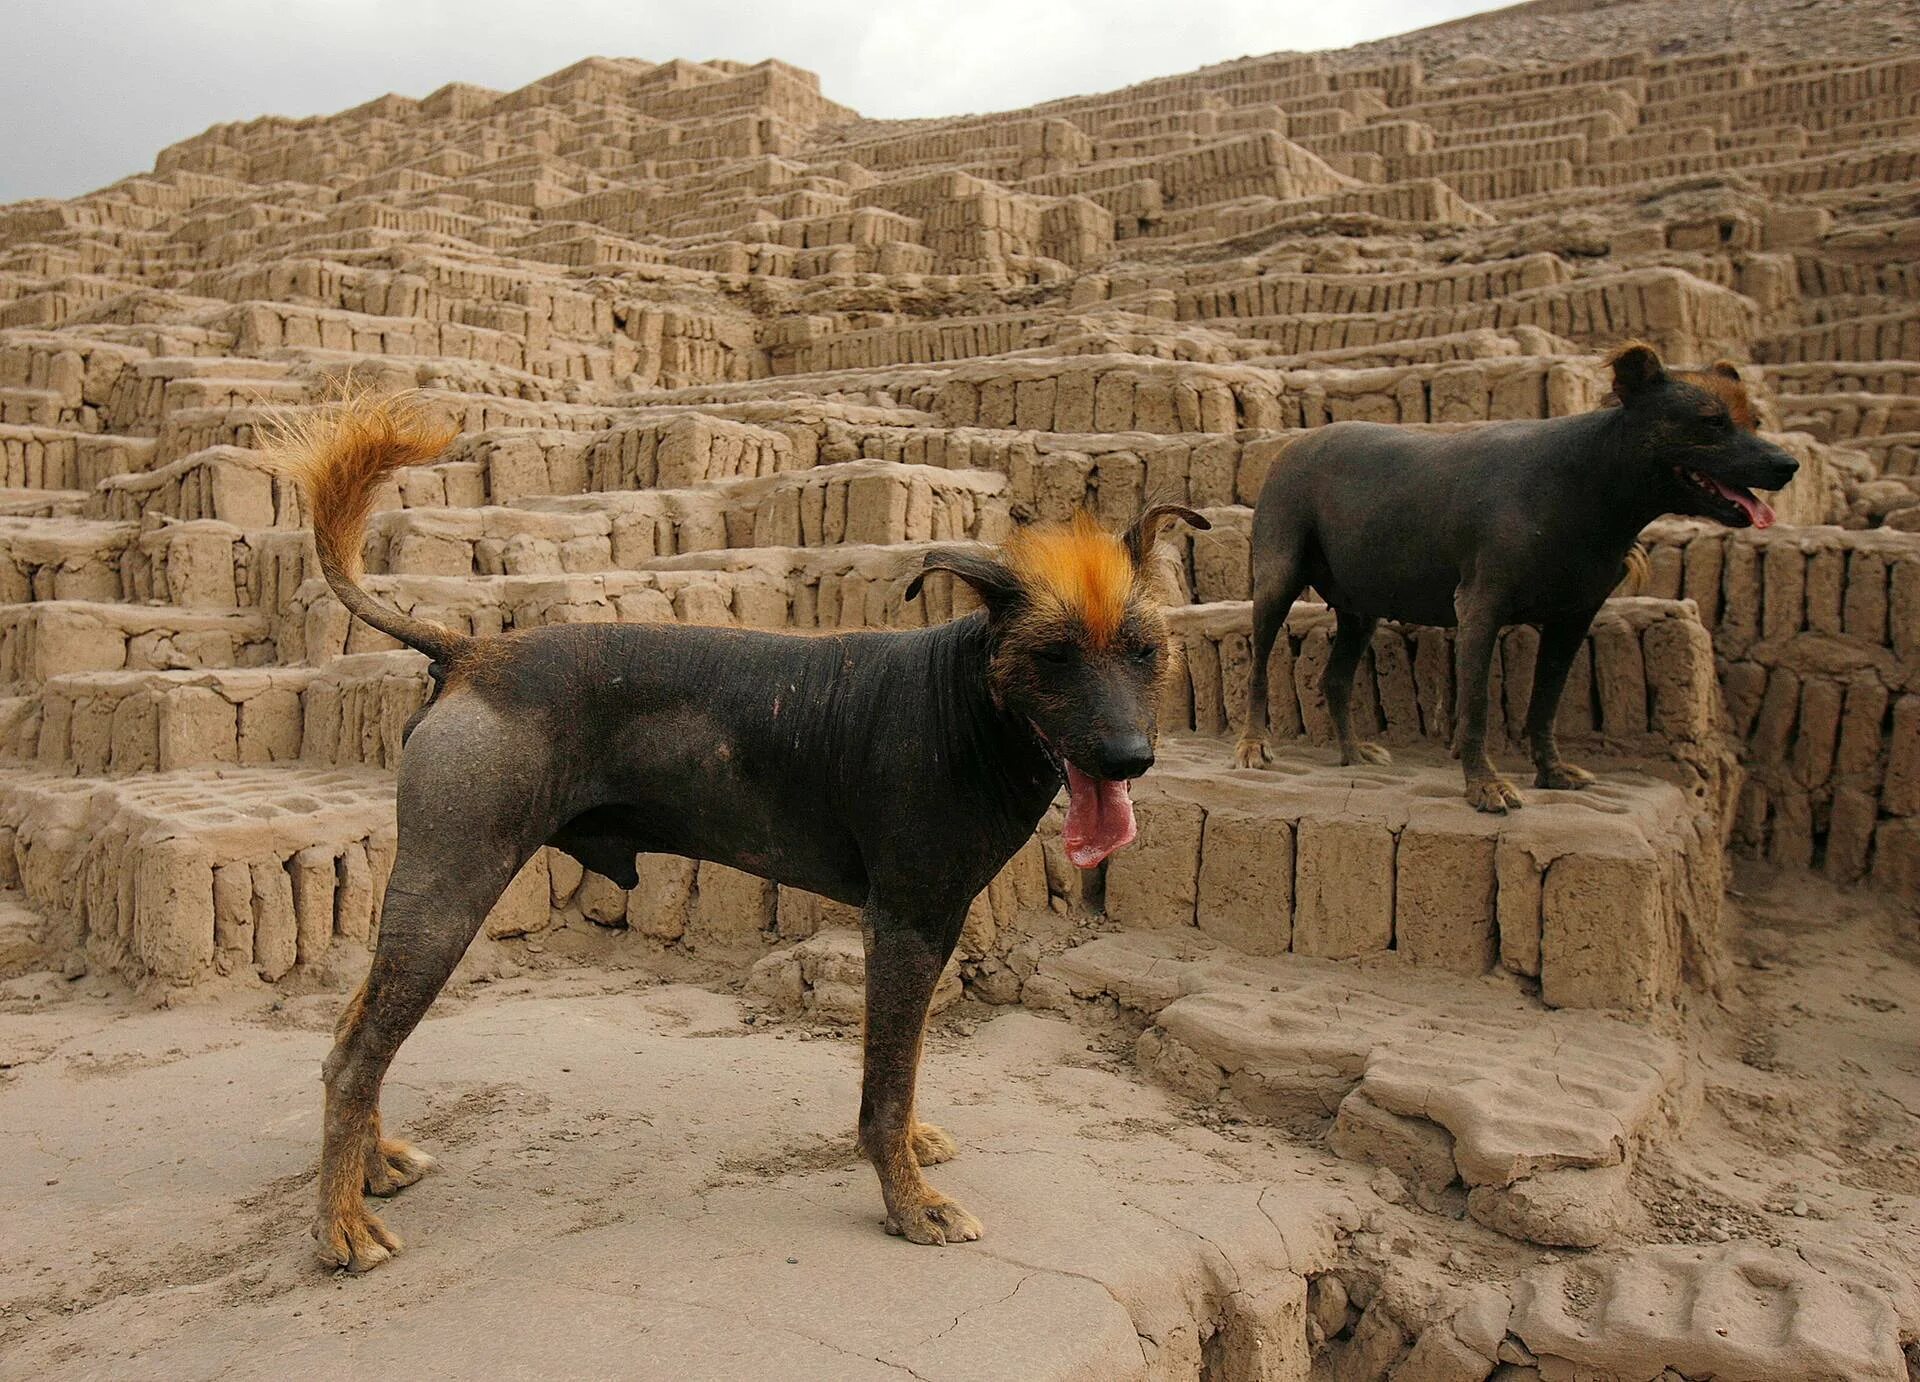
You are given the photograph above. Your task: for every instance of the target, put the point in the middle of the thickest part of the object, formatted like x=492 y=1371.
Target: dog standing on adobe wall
x=1509 y=523
x=893 y=771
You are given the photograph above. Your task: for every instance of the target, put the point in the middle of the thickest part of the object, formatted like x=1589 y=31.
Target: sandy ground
x=638 y=1181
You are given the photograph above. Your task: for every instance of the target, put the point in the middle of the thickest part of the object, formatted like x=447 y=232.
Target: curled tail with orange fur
x=340 y=456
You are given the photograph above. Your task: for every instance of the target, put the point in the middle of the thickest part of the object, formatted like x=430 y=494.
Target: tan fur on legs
x=348 y=1236
x=392 y=1164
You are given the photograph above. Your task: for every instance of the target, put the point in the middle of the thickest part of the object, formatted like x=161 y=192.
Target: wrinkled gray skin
x=886 y=770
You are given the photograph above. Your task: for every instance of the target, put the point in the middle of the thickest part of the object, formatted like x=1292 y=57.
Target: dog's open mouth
x=1099 y=817
x=1099 y=811
x=1733 y=501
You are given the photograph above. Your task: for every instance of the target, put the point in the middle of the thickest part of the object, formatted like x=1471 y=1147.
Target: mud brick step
x=1733 y=1310
x=1849 y=417
x=113 y=724
x=226 y=483
x=42 y=503
x=1893 y=453
x=21 y=407
x=77 y=368
x=1529 y=1121
x=51 y=637
x=1886 y=336
x=173 y=874
x=1643 y=686
x=1686 y=318
x=1843 y=376
x=861 y=502
x=58 y=458
x=73 y=560
x=145 y=393
x=1817 y=634
x=1278 y=294
x=845 y=587
x=1347 y=862
x=674 y=449
x=195 y=564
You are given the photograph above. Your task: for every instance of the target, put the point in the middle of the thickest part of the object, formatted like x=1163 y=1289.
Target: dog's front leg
x=904 y=960
x=1479 y=626
x=1559 y=645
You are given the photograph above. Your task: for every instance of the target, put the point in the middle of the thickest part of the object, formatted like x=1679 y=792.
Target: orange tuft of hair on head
x=1078 y=566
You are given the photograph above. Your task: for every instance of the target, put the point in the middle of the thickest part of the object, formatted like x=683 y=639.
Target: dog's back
x=1385 y=520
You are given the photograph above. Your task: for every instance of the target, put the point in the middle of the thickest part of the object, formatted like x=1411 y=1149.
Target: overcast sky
x=90 y=90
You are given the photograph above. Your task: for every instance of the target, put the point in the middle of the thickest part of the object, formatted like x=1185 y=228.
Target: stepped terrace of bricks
x=1389 y=1084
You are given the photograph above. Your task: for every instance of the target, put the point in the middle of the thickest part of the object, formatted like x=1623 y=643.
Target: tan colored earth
x=1327 y=1076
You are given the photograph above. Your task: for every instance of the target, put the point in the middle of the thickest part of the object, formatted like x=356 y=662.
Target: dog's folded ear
x=1146 y=528
x=1636 y=368
x=991 y=580
x=1726 y=369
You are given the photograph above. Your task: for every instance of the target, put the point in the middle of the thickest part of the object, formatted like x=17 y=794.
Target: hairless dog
x=893 y=771
x=1510 y=523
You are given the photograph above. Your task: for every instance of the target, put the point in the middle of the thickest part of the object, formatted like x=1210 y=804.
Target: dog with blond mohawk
x=892 y=771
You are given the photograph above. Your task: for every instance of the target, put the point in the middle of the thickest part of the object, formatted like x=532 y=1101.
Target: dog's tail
x=339 y=455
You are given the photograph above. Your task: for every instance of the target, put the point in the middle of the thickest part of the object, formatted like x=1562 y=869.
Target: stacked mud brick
x=723 y=351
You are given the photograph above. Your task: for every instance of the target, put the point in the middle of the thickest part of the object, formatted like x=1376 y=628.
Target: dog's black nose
x=1125 y=756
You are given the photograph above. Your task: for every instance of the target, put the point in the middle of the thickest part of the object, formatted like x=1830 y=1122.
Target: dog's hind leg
x=904 y=961
x=1559 y=645
x=467 y=824
x=1352 y=633
x=1479 y=627
x=422 y=937
x=1278 y=582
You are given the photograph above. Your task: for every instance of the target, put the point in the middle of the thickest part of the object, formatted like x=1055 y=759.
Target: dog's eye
x=1144 y=653
x=1059 y=654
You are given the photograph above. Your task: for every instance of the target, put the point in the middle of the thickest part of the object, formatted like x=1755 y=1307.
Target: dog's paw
x=1563 y=777
x=1365 y=753
x=1251 y=753
x=1494 y=794
x=935 y=1221
x=932 y=1145
x=393 y=1165
x=354 y=1239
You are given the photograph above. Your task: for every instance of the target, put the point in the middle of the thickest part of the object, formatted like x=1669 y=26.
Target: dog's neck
x=982 y=735
x=1621 y=474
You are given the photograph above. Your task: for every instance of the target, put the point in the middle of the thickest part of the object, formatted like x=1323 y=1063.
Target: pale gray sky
x=92 y=89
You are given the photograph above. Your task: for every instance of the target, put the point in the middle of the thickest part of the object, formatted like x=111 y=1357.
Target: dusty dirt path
x=637 y=1181
x=633 y=1184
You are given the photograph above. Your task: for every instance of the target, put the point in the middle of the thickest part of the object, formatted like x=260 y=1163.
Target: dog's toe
x=932 y=1145
x=1251 y=753
x=1563 y=777
x=392 y=1165
x=356 y=1240
x=1493 y=794
x=1371 y=753
x=935 y=1223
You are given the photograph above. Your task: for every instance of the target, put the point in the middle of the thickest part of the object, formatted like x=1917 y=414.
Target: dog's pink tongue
x=1099 y=818
x=1758 y=510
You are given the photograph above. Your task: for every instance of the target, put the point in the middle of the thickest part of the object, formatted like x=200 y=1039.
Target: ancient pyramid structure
x=723 y=351
x=720 y=350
